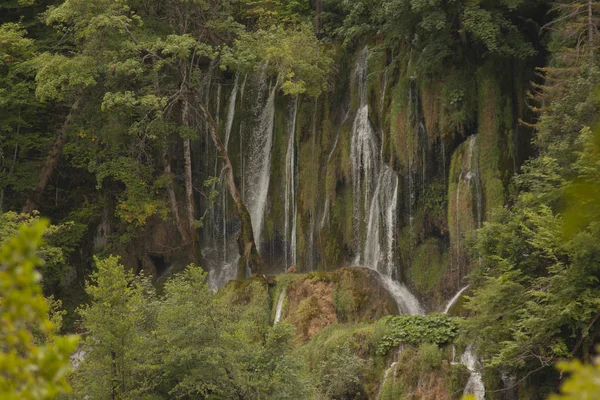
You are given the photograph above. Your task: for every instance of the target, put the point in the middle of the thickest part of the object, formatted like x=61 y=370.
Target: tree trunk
x=319 y=24
x=52 y=160
x=249 y=257
x=172 y=198
x=461 y=31
x=590 y=29
x=187 y=176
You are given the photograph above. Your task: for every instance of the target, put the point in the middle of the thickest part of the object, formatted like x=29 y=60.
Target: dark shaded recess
x=160 y=264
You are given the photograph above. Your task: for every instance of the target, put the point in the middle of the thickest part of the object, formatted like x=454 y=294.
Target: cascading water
x=475 y=384
x=406 y=301
x=509 y=382
x=364 y=152
x=291 y=205
x=335 y=143
x=379 y=207
x=228 y=127
x=258 y=166
x=279 y=308
x=474 y=176
x=468 y=207
x=77 y=358
x=378 y=251
x=257 y=163
x=231 y=110
x=391 y=370
x=454 y=299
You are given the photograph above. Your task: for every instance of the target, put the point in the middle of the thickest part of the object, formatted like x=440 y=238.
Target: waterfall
x=409 y=156
x=77 y=358
x=228 y=127
x=379 y=244
x=379 y=206
x=383 y=93
x=290 y=206
x=258 y=166
x=458 y=223
x=469 y=187
x=335 y=143
x=231 y=110
x=391 y=369
x=363 y=152
x=509 y=382
x=225 y=268
x=454 y=299
x=475 y=383
x=255 y=169
x=279 y=307
x=406 y=301
x=474 y=176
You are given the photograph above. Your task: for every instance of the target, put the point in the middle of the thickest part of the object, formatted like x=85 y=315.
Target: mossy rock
x=427 y=270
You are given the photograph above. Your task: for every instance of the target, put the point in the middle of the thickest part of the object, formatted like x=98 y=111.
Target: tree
x=186 y=343
x=113 y=323
x=59 y=242
x=34 y=361
x=537 y=288
x=153 y=78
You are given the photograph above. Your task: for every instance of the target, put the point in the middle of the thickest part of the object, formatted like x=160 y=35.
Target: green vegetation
x=157 y=134
x=417 y=330
x=34 y=359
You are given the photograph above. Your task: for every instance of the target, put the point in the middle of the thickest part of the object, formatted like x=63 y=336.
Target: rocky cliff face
x=386 y=171
x=311 y=302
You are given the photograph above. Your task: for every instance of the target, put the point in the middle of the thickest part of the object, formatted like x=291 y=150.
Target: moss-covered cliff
x=453 y=144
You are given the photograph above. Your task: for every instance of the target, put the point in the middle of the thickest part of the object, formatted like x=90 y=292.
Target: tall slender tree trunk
x=249 y=256
x=51 y=160
x=591 y=29
x=461 y=31
x=173 y=198
x=187 y=175
x=319 y=12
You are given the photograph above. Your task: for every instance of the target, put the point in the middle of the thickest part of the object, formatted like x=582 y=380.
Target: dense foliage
x=415 y=329
x=484 y=111
x=34 y=359
x=184 y=343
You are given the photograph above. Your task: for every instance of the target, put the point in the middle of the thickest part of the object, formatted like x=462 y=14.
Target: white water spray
x=407 y=302
x=279 y=308
x=379 y=204
x=475 y=383
x=454 y=299
x=291 y=205
x=259 y=165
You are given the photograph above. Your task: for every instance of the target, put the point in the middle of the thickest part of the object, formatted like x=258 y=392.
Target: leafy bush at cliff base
x=187 y=343
x=32 y=366
x=341 y=374
x=417 y=329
